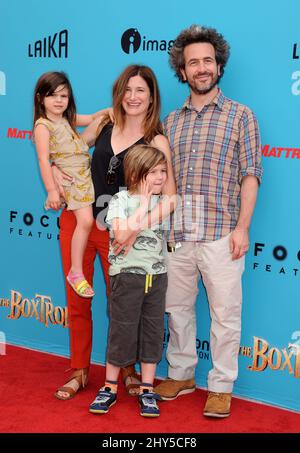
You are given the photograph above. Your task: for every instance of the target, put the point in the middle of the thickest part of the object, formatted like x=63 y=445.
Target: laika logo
x=52 y=46
x=132 y=41
x=295 y=88
x=2 y=84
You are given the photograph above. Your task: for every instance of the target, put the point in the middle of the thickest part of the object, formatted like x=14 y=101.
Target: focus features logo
x=55 y=46
x=132 y=41
x=276 y=259
x=28 y=225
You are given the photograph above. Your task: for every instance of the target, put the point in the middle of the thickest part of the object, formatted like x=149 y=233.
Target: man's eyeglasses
x=111 y=176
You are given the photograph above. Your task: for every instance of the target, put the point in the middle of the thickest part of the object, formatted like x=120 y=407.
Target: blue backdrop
x=93 y=44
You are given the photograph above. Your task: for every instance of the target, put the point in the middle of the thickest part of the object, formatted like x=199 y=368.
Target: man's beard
x=207 y=89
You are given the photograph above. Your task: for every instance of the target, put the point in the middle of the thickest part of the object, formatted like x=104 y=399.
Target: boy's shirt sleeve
x=117 y=208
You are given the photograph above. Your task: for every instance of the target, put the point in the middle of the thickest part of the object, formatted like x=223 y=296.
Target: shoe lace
x=220 y=396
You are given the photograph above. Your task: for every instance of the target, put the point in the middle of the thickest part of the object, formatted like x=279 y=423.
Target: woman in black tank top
x=102 y=155
x=136 y=109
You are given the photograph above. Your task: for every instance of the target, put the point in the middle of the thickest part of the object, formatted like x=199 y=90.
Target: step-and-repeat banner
x=93 y=41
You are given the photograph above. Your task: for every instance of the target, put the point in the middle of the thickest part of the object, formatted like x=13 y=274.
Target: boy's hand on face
x=145 y=192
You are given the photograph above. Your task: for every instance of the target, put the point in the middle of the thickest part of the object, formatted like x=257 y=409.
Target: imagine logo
x=2 y=343
x=132 y=41
x=2 y=84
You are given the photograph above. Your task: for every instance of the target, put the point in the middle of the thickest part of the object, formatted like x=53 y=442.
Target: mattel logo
x=16 y=133
x=2 y=84
x=52 y=46
x=280 y=151
x=132 y=41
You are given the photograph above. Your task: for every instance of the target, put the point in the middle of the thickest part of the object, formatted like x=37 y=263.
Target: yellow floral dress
x=70 y=154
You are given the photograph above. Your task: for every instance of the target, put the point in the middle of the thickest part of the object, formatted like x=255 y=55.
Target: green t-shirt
x=146 y=254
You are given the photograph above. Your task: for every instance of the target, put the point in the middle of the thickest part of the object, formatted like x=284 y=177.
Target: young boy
x=138 y=280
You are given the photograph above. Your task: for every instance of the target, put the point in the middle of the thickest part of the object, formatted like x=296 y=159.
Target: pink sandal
x=80 y=287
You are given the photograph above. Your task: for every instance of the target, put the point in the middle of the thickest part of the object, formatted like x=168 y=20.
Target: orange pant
x=79 y=309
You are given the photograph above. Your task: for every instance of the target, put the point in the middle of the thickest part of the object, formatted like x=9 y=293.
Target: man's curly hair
x=196 y=34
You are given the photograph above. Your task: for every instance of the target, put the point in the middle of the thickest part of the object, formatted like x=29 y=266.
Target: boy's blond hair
x=138 y=162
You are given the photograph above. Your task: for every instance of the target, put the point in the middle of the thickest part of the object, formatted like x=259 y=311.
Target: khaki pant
x=222 y=280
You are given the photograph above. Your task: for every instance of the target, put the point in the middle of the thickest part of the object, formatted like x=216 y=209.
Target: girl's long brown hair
x=45 y=86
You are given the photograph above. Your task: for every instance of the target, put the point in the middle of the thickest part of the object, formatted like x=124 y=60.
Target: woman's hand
x=126 y=246
x=59 y=178
x=86 y=120
x=110 y=113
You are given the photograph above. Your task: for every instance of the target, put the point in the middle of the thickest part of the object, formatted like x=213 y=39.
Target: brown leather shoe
x=217 y=405
x=131 y=380
x=77 y=382
x=171 y=389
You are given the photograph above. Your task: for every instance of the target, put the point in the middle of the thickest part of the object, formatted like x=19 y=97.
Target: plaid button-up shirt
x=212 y=150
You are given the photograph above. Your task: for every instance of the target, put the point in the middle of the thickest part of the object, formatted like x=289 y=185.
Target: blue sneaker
x=148 y=404
x=104 y=399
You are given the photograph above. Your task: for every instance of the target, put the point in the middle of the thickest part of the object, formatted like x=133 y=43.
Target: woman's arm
x=125 y=228
x=41 y=137
x=86 y=120
x=90 y=133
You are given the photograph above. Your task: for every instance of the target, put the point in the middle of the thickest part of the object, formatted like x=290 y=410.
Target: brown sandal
x=131 y=388
x=77 y=381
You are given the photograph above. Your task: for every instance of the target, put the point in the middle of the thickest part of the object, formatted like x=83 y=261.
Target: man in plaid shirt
x=216 y=157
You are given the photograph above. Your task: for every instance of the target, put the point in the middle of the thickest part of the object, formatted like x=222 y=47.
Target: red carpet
x=27 y=405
